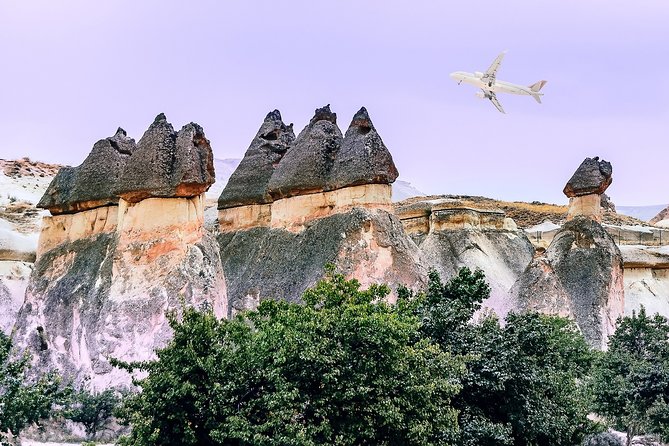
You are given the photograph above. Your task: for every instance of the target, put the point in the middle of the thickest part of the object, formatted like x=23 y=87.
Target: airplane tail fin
x=535 y=88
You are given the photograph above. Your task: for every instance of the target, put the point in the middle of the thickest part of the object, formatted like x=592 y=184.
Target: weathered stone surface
x=363 y=157
x=581 y=275
x=266 y=263
x=13 y=283
x=105 y=294
x=248 y=185
x=661 y=219
x=585 y=206
x=91 y=184
x=607 y=204
x=646 y=278
x=307 y=166
x=168 y=164
x=592 y=177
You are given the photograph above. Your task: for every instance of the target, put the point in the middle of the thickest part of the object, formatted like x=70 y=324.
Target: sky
x=73 y=71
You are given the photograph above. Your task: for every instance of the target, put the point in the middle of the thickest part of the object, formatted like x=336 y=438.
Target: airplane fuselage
x=476 y=80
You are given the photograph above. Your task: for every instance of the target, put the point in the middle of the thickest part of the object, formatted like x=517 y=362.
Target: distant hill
x=403 y=190
x=644 y=213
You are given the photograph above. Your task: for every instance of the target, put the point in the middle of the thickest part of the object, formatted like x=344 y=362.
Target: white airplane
x=489 y=84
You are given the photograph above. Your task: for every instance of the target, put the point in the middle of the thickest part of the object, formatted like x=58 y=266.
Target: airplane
x=489 y=84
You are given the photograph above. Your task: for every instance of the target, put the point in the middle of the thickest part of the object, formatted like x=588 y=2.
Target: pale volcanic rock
x=592 y=177
x=92 y=183
x=363 y=157
x=307 y=166
x=581 y=275
x=272 y=263
x=248 y=185
x=646 y=278
x=168 y=164
x=14 y=277
x=661 y=218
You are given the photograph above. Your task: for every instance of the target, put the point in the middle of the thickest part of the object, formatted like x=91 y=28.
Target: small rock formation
x=105 y=276
x=661 y=219
x=646 y=278
x=607 y=204
x=168 y=164
x=450 y=236
x=586 y=186
x=581 y=272
x=245 y=200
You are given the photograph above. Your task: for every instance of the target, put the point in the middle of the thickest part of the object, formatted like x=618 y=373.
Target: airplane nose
x=453 y=75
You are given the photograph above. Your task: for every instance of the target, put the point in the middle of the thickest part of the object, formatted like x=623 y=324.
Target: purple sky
x=75 y=70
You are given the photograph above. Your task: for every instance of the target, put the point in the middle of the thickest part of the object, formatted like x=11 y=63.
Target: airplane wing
x=491 y=72
x=495 y=102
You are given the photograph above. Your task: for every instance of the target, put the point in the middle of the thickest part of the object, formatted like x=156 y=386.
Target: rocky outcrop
x=586 y=186
x=105 y=277
x=580 y=275
x=646 y=278
x=450 y=236
x=661 y=219
x=318 y=174
x=168 y=164
x=91 y=184
x=273 y=263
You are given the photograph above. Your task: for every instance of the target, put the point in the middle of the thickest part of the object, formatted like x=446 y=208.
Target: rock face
x=580 y=275
x=450 y=236
x=661 y=219
x=266 y=263
x=105 y=277
x=91 y=184
x=646 y=278
x=168 y=164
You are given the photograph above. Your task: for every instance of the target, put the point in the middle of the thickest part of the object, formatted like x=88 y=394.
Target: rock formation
x=320 y=198
x=581 y=273
x=245 y=201
x=586 y=186
x=105 y=276
x=450 y=236
x=661 y=219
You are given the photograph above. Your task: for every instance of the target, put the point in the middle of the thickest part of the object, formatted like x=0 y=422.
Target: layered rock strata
x=586 y=186
x=106 y=275
x=320 y=173
x=646 y=278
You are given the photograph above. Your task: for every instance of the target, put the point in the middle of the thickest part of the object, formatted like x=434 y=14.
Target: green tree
x=23 y=401
x=525 y=380
x=631 y=379
x=92 y=409
x=343 y=369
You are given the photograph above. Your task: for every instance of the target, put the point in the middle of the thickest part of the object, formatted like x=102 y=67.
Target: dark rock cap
x=92 y=183
x=592 y=177
x=249 y=182
x=168 y=164
x=306 y=167
x=363 y=157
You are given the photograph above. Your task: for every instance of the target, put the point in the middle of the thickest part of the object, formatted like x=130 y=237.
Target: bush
x=92 y=409
x=345 y=368
x=603 y=439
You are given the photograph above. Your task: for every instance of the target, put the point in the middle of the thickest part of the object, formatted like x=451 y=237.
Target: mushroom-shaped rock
x=592 y=177
x=363 y=158
x=91 y=184
x=306 y=167
x=168 y=164
x=249 y=182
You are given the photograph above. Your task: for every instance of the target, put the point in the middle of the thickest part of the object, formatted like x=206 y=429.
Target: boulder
x=363 y=157
x=592 y=177
x=168 y=163
x=307 y=166
x=581 y=276
x=249 y=182
x=93 y=182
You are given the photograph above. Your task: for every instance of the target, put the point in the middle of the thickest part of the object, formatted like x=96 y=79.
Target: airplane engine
x=482 y=95
x=478 y=74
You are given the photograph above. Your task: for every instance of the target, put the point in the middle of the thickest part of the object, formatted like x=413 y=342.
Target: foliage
x=23 y=401
x=344 y=369
x=525 y=380
x=92 y=409
x=631 y=379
